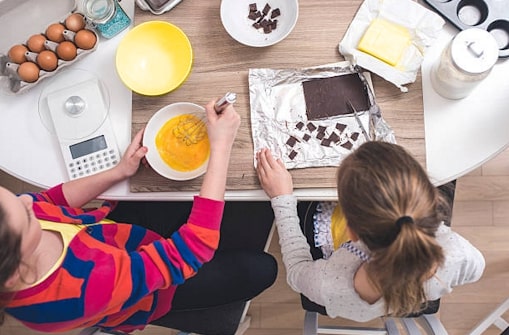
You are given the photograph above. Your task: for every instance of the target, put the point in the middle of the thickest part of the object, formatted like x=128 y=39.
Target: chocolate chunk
x=320 y=135
x=257 y=25
x=311 y=127
x=306 y=137
x=354 y=136
x=292 y=154
x=326 y=97
x=275 y=13
x=334 y=137
x=252 y=15
x=266 y=9
x=325 y=142
x=299 y=125
x=340 y=127
x=252 y=7
x=347 y=145
x=321 y=129
x=291 y=141
x=267 y=28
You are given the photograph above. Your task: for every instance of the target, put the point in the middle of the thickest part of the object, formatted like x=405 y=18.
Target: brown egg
x=85 y=39
x=67 y=50
x=17 y=53
x=75 y=22
x=36 y=43
x=28 y=72
x=54 y=32
x=47 y=60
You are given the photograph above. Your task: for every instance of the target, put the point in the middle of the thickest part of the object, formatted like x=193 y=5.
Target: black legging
x=240 y=269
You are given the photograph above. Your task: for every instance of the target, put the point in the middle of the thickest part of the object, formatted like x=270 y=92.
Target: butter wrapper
x=423 y=26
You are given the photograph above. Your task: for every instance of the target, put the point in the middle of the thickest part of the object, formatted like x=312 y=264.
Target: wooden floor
x=481 y=214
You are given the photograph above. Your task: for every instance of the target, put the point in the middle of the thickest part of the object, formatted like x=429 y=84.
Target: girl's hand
x=133 y=156
x=273 y=175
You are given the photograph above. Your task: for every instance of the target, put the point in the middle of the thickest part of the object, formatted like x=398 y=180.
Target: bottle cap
x=474 y=51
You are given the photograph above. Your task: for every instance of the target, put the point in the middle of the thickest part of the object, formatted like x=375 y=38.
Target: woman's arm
x=80 y=191
x=221 y=129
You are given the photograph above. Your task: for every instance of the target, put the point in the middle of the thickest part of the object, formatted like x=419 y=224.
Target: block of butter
x=385 y=40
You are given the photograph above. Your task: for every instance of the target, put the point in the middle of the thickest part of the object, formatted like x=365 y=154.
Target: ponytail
x=400 y=270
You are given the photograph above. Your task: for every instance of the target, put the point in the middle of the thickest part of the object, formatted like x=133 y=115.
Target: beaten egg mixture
x=182 y=143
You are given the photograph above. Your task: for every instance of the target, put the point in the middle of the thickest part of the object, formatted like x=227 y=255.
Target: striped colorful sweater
x=115 y=276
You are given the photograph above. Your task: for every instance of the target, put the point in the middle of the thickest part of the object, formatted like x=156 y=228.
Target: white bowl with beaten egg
x=169 y=154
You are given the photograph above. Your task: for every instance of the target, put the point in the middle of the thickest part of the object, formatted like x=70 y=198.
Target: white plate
x=154 y=125
x=234 y=16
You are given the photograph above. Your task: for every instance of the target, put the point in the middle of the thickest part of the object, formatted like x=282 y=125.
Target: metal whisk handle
x=227 y=99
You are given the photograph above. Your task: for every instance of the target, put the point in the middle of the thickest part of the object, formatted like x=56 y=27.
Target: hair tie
x=402 y=220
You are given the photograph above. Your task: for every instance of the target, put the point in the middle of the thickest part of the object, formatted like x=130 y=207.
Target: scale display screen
x=87 y=147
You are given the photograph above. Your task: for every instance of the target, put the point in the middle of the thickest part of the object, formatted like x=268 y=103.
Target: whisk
x=191 y=128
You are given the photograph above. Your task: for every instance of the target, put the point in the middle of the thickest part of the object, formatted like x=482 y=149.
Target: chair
x=417 y=325
x=494 y=318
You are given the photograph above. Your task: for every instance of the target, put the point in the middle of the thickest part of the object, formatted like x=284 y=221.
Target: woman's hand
x=273 y=175
x=133 y=156
x=221 y=128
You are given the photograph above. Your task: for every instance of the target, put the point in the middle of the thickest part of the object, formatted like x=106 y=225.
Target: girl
x=400 y=253
x=62 y=267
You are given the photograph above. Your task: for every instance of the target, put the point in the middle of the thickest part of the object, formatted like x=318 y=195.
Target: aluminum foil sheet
x=280 y=123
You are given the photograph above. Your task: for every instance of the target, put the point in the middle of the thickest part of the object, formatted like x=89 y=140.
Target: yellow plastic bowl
x=154 y=58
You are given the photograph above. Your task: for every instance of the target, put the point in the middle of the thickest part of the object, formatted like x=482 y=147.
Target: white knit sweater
x=330 y=282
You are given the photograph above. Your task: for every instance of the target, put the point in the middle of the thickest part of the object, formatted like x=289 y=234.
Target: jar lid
x=474 y=50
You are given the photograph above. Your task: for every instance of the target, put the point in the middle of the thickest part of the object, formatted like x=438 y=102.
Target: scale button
x=81 y=173
x=78 y=162
x=91 y=158
x=106 y=158
x=99 y=161
x=101 y=166
x=84 y=160
x=72 y=170
x=112 y=151
x=88 y=171
x=92 y=163
x=104 y=153
x=71 y=164
x=114 y=162
x=97 y=155
x=74 y=176
x=94 y=169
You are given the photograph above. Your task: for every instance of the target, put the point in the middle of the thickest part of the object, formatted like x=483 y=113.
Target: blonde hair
x=391 y=205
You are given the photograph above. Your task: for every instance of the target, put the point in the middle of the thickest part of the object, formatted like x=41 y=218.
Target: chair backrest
x=424 y=324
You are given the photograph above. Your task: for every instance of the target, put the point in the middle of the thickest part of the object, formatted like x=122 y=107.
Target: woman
x=62 y=267
x=400 y=253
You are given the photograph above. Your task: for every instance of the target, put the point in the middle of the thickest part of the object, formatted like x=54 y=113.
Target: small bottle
x=464 y=63
x=107 y=15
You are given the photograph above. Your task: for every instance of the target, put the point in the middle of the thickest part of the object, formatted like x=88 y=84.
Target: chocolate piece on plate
x=334 y=137
x=266 y=9
x=321 y=129
x=291 y=141
x=299 y=125
x=257 y=25
x=340 y=127
x=275 y=13
x=252 y=15
x=325 y=142
x=326 y=97
x=273 y=24
x=347 y=145
x=252 y=7
x=292 y=154
x=354 y=136
x=320 y=135
x=311 y=127
x=306 y=137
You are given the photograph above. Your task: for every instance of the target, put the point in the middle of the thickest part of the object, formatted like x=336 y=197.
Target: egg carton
x=490 y=15
x=10 y=81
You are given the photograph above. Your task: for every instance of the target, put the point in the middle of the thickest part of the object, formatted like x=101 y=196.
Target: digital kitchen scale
x=78 y=114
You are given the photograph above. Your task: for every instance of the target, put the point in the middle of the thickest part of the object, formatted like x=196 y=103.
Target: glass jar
x=107 y=15
x=464 y=63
